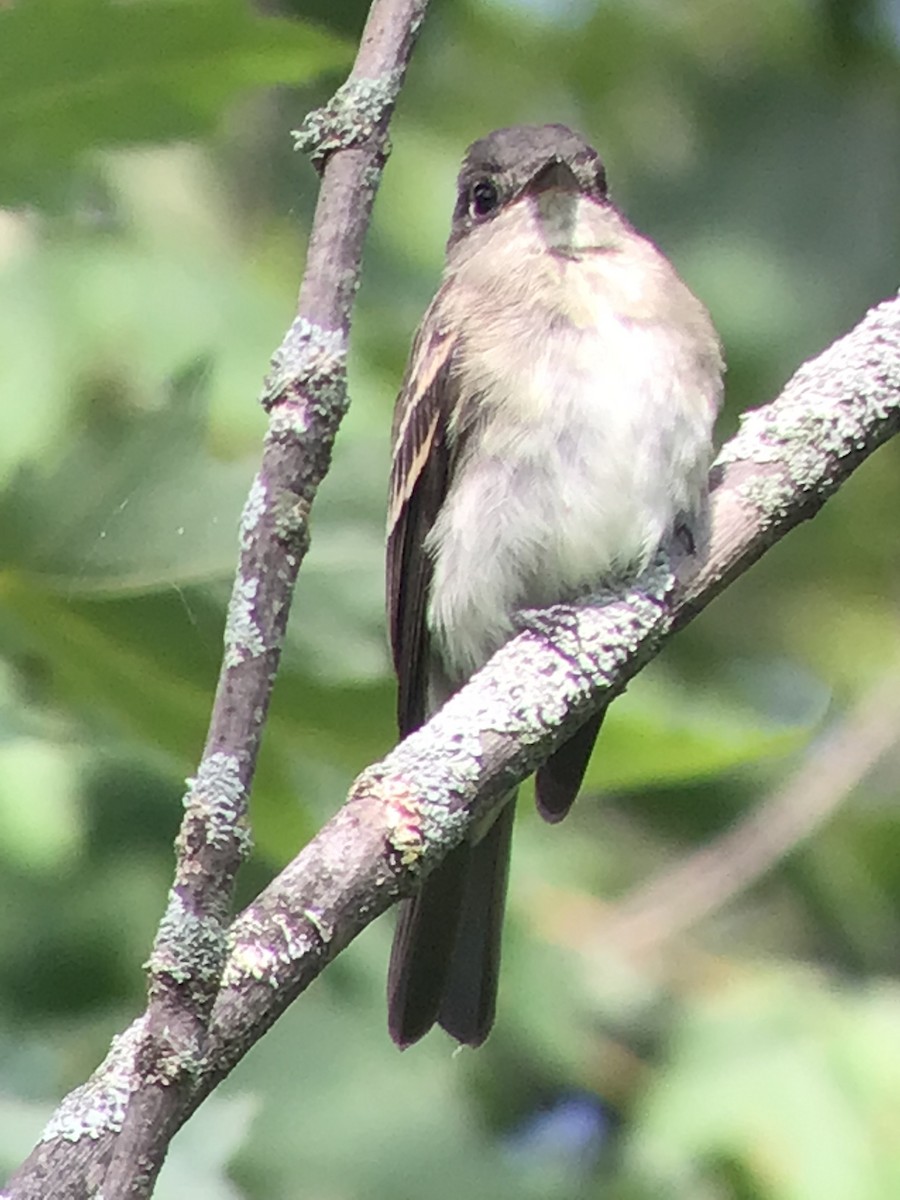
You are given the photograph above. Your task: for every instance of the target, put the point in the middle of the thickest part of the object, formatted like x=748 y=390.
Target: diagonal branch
x=406 y=812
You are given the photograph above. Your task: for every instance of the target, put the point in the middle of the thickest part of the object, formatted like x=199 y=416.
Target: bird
x=552 y=433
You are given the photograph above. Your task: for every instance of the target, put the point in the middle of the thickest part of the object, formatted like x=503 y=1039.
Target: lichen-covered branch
x=406 y=812
x=305 y=396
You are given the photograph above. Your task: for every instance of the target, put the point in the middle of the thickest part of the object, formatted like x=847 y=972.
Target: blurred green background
x=152 y=227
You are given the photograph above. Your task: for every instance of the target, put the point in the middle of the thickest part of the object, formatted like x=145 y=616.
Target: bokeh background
x=683 y=1042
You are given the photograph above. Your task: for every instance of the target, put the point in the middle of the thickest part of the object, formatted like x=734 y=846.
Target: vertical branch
x=305 y=396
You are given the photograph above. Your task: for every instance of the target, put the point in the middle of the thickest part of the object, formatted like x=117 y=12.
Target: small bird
x=553 y=431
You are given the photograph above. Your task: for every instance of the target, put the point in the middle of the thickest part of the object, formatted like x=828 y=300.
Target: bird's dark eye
x=483 y=198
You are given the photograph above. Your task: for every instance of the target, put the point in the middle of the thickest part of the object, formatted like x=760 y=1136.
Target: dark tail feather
x=558 y=780
x=445 y=960
x=470 y=993
x=446 y=954
x=423 y=947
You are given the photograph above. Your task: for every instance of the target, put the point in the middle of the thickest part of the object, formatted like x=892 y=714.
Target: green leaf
x=197 y=1163
x=780 y=1072
x=21 y=1123
x=42 y=826
x=141 y=671
x=78 y=74
x=136 y=504
x=659 y=734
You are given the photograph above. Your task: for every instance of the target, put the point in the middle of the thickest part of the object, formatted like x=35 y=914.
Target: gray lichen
x=188 y=948
x=243 y=636
x=254 y=510
x=308 y=368
x=217 y=798
x=350 y=118
x=257 y=955
x=98 y=1107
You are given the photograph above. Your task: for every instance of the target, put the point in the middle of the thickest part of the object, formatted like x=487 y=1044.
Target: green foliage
x=789 y=1079
x=657 y=736
x=144 y=283
x=81 y=74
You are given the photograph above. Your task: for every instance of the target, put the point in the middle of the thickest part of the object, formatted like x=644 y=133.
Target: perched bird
x=553 y=431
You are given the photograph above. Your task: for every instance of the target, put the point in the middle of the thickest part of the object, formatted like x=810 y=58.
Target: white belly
x=588 y=456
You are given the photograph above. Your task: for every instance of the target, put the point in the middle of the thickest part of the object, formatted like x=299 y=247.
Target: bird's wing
x=420 y=469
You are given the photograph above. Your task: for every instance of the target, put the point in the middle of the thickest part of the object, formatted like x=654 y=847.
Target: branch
x=707 y=879
x=305 y=396
x=406 y=812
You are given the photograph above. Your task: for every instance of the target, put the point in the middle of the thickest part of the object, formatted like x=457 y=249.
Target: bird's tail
x=445 y=961
x=558 y=781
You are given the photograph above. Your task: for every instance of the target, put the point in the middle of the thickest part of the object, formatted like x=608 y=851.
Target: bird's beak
x=554 y=174
x=558 y=198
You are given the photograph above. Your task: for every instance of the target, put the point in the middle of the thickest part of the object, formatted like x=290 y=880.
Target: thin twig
x=704 y=881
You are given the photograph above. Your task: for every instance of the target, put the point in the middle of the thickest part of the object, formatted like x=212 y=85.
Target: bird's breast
x=587 y=394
